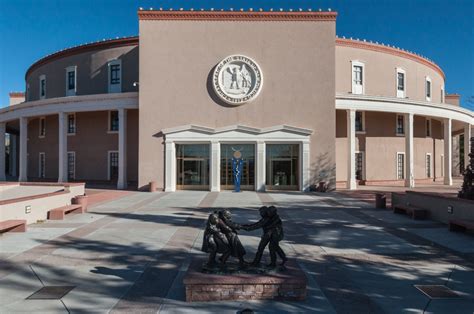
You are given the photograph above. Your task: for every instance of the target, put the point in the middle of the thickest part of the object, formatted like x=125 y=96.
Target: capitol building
x=172 y=106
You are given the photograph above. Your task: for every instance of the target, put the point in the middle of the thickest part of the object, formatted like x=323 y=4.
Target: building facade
x=173 y=106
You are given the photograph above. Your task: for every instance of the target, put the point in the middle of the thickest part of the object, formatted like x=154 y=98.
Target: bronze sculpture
x=221 y=236
x=272 y=227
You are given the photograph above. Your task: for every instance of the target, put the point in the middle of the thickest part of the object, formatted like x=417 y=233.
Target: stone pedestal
x=288 y=284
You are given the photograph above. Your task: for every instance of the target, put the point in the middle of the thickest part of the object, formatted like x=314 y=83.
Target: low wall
x=441 y=208
x=39 y=205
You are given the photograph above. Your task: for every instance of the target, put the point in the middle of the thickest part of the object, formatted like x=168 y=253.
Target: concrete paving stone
x=20 y=242
x=243 y=199
x=462 y=279
x=361 y=240
x=17 y=286
x=388 y=216
x=34 y=306
x=452 y=306
x=391 y=287
x=460 y=242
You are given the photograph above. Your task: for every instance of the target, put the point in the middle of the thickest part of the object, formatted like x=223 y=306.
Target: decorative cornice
x=390 y=50
x=16 y=94
x=104 y=44
x=453 y=96
x=242 y=128
x=236 y=16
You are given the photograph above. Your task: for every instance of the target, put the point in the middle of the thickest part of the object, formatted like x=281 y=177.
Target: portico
x=410 y=110
x=289 y=170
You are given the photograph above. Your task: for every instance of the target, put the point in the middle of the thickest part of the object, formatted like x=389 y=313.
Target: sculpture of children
x=272 y=233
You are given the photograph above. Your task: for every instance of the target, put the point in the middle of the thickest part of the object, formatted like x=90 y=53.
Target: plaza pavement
x=129 y=253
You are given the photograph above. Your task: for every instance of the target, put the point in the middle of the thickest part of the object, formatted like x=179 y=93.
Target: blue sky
x=441 y=30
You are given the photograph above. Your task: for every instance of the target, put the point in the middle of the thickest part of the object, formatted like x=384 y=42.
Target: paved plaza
x=129 y=253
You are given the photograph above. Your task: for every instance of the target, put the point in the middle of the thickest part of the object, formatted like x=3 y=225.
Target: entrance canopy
x=261 y=138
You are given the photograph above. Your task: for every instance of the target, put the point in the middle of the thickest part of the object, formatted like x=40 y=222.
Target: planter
x=152 y=186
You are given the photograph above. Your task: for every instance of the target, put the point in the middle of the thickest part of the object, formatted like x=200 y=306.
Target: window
x=359 y=163
x=428 y=88
x=71 y=165
x=360 y=121
x=428 y=127
x=400 y=83
x=71 y=81
x=42 y=165
x=428 y=165
x=113 y=121
x=358 y=77
x=27 y=92
x=442 y=95
x=113 y=165
x=42 y=87
x=42 y=127
x=400 y=166
x=115 y=76
x=400 y=130
x=71 y=124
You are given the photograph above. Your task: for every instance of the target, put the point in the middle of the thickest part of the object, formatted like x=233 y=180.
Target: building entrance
x=192 y=166
x=247 y=152
x=282 y=166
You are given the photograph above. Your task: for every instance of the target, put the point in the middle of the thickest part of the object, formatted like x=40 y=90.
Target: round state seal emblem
x=237 y=79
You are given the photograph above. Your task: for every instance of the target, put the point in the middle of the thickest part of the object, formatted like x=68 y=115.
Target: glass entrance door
x=247 y=152
x=282 y=166
x=192 y=166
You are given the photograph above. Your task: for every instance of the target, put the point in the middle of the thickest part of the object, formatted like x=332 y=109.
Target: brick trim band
x=236 y=16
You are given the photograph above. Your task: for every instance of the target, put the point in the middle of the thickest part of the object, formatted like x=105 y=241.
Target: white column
x=409 y=170
x=23 y=149
x=261 y=164
x=2 y=151
x=62 y=144
x=351 y=172
x=170 y=166
x=215 y=166
x=13 y=139
x=467 y=144
x=448 y=180
x=122 y=150
x=305 y=171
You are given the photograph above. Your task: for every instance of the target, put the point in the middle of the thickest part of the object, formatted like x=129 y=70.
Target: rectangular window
x=113 y=121
x=359 y=162
x=71 y=124
x=428 y=127
x=71 y=165
x=442 y=95
x=401 y=81
x=359 y=121
x=400 y=166
x=428 y=89
x=428 y=165
x=42 y=87
x=71 y=80
x=42 y=165
x=115 y=76
x=113 y=165
x=400 y=124
x=42 y=127
x=357 y=77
